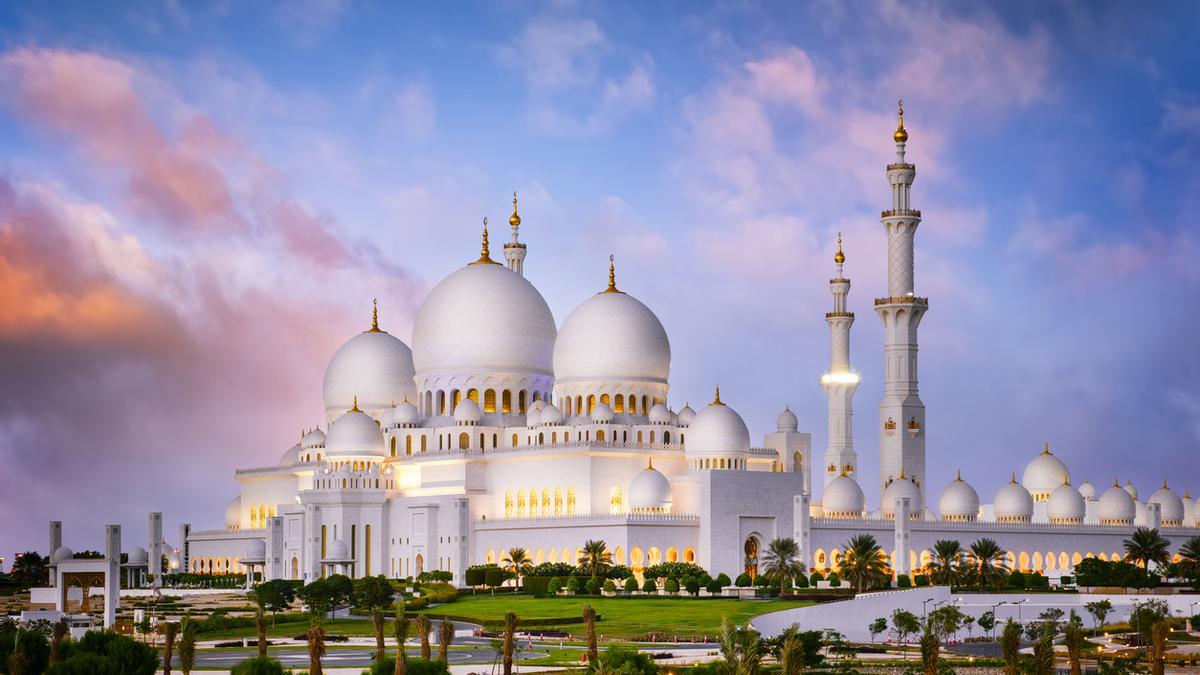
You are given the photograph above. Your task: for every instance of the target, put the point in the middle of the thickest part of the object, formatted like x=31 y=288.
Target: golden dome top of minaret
x=515 y=218
x=839 y=257
x=901 y=135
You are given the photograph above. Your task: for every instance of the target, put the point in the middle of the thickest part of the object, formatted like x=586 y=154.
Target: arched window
x=619 y=403
x=604 y=399
x=473 y=394
x=599 y=435
x=614 y=502
x=672 y=555
x=424 y=444
x=547 y=504
x=578 y=405
x=541 y=439
x=533 y=502
x=520 y=504
x=570 y=501
x=407 y=446
x=689 y=555
x=521 y=402
x=591 y=403
x=666 y=438
x=489 y=401
x=464 y=441
x=553 y=437
x=456 y=396
x=508 y=509
x=367 y=548
x=482 y=442
x=393 y=446
x=645 y=406
x=441 y=403
x=639 y=438
x=323 y=541
x=506 y=401
x=651 y=438
x=514 y=440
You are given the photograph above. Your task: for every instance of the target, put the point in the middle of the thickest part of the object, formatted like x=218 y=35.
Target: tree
x=741 y=649
x=781 y=562
x=1010 y=647
x=59 y=636
x=341 y=588
x=1158 y=646
x=946 y=621
x=30 y=568
x=400 y=632
x=589 y=621
x=372 y=592
x=260 y=624
x=378 y=623
x=421 y=623
x=274 y=596
x=1147 y=546
x=987 y=621
x=648 y=586
x=930 y=646
x=904 y=623
x=107 y=652
x=317 y=596
x=1074 y=640
x=945 y=566
x=1189 y=559
x=445 y=637
x=510 y=630
x=969 y=624
x=878 y=626
x=187 y=646
x=259 y=665
x=1042 y=661
x=595 y=559
x=1099 y=611
x=864 y=563
x=988 y=567
x=630 y=585
x=517 y=562
x=316 y=647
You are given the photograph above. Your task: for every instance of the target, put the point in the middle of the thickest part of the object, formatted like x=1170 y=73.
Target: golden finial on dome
x=354 y=408
x=1116 y=482
x=839 y=257
x=1014 y=479
x=959 y=479
x=901 y=135
x=1046 y=448
x=1164 y=483
x=902 y=476
x=717 y=397
x=844 y=474
x=374 y=317
x=515 y=218
x=649 y=463
x=484 y=255
x=612 y=276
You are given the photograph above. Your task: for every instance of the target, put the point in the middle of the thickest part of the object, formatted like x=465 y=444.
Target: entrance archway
x=420 y=563
x=750 y=550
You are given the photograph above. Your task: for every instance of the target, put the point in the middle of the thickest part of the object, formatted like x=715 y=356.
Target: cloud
x=556 y=53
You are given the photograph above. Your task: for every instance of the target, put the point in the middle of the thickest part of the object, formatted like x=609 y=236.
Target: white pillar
x=154 y=547
x=1154 y=516
x=902 y=539
x=55 y=544
x=801 y=527
x=112 y=576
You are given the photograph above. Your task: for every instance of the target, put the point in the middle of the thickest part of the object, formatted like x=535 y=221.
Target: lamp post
x=1002 y=602
x=925 y=603
x=1018 y=603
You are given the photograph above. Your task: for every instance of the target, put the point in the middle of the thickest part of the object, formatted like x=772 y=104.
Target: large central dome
x=612 y=336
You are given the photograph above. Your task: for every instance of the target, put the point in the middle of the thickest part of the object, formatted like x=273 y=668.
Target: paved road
x=343 y=658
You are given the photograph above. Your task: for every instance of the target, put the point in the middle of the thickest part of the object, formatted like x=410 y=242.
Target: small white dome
x=354 y=433
x=1131 y=489
x=137 y=557
x=901 y=487
x=650 y=491
x=62 y=553
x=467 y=412
x=1044 y=474
x=602 y=413
x=375 y=367
x=233 y=513
x=659 y=414
x=1066 y=505
x=1087 y=490
x=338 y=551
x=1013 y=503
x=959 y=501
x=290 y=456
x=612 y=337
x=313 y=439
x=552 y=415
x=405 y=414
x=717 y=431
x=686 y=415
x=256 y=550
x=843 y=498
x=1170 y=505
x=1116 y=507
x=533 y=417
x=786 y=421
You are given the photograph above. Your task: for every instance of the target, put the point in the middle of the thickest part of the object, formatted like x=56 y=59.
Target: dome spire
x=839 y=257
x=354 y=408
x=1046 y=447
x=901 y=135
x=374 y=317
x=515 y=219
x=484 y=256
x=717 y=397
x=959 y=479
x=612 y=276
x=649 y=463
x=1014 y=479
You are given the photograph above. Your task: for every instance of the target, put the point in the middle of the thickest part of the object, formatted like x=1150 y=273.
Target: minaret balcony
x=901 y=166
x=915 y=213
x=902 y=300
x=834 y=315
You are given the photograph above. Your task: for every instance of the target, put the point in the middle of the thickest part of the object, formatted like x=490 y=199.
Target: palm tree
x=1042 y=662
x=61 y=631
x=930 y=646
x=187 y=646
x=1010 y=647
x=510 y=630
x=946 y=565
x=518 y=562
x=864 y=563
x=421 y=623
x=1158 y=646
x=791 y=654
x=1147 y=546
x=782 y=562
x=596 y=559
x=988 y=566
x=1189 y=559
x=740 y=649
x=378 y=622
x=589 y=620
x=260 y=625
x=400 y=632
x=1074 y=639
x=445 y=637
x=316 y=647
x=170 y=633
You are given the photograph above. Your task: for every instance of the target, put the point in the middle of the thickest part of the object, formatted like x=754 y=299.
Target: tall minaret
x=901 y=414
x=840 y=382
x=514 y=251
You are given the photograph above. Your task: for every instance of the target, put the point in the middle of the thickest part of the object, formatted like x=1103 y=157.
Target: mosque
x=448 y=452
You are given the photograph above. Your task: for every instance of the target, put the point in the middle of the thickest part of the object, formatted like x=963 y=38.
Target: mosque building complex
x=526 y=434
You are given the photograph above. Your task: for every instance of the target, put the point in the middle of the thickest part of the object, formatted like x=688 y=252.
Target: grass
x=619 y=617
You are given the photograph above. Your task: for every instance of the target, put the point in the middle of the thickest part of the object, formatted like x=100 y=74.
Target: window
x=506 y=401
x=570 y=501
x=407 y=446
x=489 y=401
x=464 y=441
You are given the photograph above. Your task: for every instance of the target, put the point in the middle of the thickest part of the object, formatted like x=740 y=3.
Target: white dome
x=137 y=557
x=602 y=413
x=533 y=417
x=290 y=456
x=313 y=439
x=354 y=433
x=1013 y=503
x=787 y=421
x=1087 y=490
x=686 y=416
x=659 y=414
x=1131 y=489
x=1116 y=507
x=843 y=498
x=233 y=513
x=374 y=366
x=901 y=487
x=484 y=319
x=62 y=553
x=1066 y=505
x=1044 y=474
x=337 y=551
x=1170 y=505
x=959 y=501
x=467 y=412
x=717 y=431
x=256 y=550
x=612 y=337
x=405 y=414
x=552 y=415
x=650 y=491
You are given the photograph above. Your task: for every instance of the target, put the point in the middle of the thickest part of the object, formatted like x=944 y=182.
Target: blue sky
x=199 y=201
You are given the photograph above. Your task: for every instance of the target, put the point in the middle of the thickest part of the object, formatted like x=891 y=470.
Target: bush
x=538 y=585
x=33 y=645
x=723 y=579
x=834 y=580
x=436 y=575
x=476 y=575
x=801 y=581
x=627 y=661
x=649 y=586
x=553 y=586
x=103 y=652
x=592 y=586
x=671 y=586
x=618 y=572
x=561 y=570
x=415 y=667
x=630 y=585
x=816 y=576
x=610 y=586
x=761 y=581
x=573 y=585
x=673 y=570
x=259 y=665
x=921 y=580
x=903 y=581
x=1067 y=580
x=493 y=577
x=744 y=581
x=1016 y=579
x=692 y=586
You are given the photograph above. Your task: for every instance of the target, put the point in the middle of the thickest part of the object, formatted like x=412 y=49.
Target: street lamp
x=924 y=603
x=1002 y=602
x=1018 y=603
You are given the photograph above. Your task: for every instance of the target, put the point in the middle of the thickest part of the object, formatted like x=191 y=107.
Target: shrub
x=723 y=579
x=107 y=652
x=618 y=572
x=592 y=586
x=573 y=585
x=743 y=580
x=415 y=666
x=32 y=644
x=493 y=577
x=554 y=586
x=903 y=581
x=801 y=581
x=630 y=585
x=671 y=586
x=761 y=581
x=1016 y=579
x=834 y=580
x=436 y=575
x=259 y=665
x=627 y=661
x=649 y=586
x=610 y=586
x=921 y=580
x=673 y=570
x=553 y=569
x=692 y=586
x=1067 y=580
x=816 y=576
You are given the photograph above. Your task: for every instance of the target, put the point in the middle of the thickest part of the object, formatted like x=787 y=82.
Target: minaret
x=840 y=382
x=901 y=413
x=514 y=251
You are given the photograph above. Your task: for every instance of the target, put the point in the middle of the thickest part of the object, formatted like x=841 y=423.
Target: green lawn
x=619 y=617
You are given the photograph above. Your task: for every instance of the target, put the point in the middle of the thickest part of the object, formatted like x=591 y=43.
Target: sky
x=198 y=203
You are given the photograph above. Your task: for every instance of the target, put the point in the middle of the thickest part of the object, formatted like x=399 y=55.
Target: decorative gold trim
x=717 y=397
x=484 y=256
x=891 y=213
x=839 y=257
x=354 y=408
x=901 y=135
x=375 y=317
x=612 y=276
x=902 y=300
x=515 y=218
